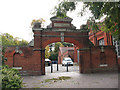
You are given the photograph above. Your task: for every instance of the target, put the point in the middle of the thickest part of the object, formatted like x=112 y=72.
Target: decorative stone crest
x=61 y=23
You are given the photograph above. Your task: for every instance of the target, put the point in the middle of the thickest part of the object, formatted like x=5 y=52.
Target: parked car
x=54 y=62
x=47 y=62
x=67 y=60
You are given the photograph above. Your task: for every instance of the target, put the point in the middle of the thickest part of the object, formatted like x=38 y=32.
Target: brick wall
x=91 y=59
x=29 y=60
x=95 y=37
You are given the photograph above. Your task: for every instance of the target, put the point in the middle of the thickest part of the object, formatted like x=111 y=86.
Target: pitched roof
x=31 y=43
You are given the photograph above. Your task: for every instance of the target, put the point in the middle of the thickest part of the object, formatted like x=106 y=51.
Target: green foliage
x=53 y=56
x=47 y=53
x=93 y=26
x=9 y=40
x=98 y=9
x=57 y=45
x=112 y=12
x=23 y=43
x=3 y=60
x=11 y=78
x=65 y=44
x=63 y=7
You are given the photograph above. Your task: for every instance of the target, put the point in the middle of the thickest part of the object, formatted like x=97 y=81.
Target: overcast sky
x=17 y=15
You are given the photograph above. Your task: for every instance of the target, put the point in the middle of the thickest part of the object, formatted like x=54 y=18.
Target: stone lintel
x=60 y=35
x=60 y=29
x=37 y=29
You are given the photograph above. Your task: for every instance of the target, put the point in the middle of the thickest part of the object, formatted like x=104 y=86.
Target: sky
x=17 y=15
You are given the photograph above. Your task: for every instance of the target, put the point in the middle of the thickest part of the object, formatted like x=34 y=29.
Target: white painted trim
x=103 y=65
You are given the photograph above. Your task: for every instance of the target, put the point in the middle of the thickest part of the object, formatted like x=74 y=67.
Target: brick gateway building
x=31 y=60
x=67 y=52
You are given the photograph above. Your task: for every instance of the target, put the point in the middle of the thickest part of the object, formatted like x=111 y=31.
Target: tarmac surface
x=77 y=80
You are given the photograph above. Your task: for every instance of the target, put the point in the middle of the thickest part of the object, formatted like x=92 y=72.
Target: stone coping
x=17 y=68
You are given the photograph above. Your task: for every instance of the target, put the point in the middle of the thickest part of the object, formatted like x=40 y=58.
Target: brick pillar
x=37 y=38
x=81 y=63
x=85 y=63
x=43 y=61
x=38 y=48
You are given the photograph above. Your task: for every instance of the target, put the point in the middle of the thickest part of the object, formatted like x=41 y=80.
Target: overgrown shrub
x=11 y=78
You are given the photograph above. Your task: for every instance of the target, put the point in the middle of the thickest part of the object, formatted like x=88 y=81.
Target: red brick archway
x=32 y=59
x=69 y=40
x=59 y=33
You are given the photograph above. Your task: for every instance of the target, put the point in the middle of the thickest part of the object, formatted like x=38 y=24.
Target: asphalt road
x=78 y=80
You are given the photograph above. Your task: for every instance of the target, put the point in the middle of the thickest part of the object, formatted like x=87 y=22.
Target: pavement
x=77 y=80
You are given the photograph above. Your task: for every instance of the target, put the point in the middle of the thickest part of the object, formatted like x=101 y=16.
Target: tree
x=57 y=45
x=99 y=9
x=54 y=54
x=9 y=40
x=109 y=9
x=65 y=44
x=47 y=53
x=63 y=7
x=23 y=43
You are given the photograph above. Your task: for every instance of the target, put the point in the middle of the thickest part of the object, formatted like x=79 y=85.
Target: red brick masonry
x=32 y=59
x=29 y=60
x=90 y=60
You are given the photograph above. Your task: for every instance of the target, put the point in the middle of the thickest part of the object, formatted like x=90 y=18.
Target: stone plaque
x=61 y=24
x=62 y=36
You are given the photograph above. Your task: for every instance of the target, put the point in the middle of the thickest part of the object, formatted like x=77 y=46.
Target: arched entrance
x=60 y=30
x=32 y=58
x=16 y=61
